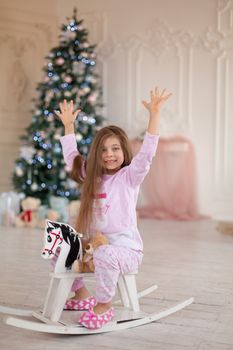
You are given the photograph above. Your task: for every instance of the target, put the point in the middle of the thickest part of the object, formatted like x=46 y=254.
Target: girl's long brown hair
x=94 y=172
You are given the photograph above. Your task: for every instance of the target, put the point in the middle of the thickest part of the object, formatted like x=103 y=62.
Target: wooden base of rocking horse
x=52 y=319
x=59 y=328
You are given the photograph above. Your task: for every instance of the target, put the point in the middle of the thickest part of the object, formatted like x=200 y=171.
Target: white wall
x=183 y=45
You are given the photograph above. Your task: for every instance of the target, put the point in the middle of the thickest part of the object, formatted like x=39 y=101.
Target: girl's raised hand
x=66 y=113
x=157 y=98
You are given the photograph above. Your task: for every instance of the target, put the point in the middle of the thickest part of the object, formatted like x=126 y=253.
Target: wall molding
x=161 y=40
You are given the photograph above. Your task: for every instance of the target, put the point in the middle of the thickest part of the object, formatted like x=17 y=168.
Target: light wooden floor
x=184 y=258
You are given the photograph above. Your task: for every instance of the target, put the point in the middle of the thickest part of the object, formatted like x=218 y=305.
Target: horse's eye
x=49 y=239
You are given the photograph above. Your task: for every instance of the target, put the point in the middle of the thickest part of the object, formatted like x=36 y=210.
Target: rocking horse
x=52 y=318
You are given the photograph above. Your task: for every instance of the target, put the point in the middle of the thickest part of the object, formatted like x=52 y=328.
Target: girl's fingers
x=162 y=93
x=58 y=113
x=167 y=96
x=77 y=112
x=145 y=104
x=156 y=98
x=65 y=104
x=71 y=106
x=61 y=106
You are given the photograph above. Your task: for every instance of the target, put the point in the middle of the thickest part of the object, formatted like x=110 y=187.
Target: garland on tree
x=69 y=74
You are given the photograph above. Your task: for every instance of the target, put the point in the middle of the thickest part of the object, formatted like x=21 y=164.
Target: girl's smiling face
x=112 y=155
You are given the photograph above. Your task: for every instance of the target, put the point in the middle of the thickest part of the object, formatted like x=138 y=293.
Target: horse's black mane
x=71 y=238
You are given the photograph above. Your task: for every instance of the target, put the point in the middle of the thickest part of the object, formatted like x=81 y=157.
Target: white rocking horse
x=51 y=319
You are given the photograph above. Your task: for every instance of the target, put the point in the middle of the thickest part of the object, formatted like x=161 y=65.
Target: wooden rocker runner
x=53 y=319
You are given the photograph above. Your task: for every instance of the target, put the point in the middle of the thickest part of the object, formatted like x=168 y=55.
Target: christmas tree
x=69 y=74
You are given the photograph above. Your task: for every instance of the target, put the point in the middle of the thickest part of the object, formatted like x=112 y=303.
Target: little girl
x=110 y=184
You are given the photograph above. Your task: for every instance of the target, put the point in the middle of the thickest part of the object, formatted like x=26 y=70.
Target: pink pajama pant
x=110 y=261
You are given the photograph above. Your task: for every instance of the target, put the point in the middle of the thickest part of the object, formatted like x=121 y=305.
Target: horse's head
x=53 y=239
x=59 y=235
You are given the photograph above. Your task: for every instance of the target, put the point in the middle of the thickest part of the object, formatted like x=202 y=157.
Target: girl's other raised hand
x=157 y=98
x=66 y=113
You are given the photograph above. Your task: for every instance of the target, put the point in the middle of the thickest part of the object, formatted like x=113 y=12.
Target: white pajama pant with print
x=110 y=261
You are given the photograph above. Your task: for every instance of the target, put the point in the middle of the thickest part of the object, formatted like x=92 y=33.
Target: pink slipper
x=79 y=305
x=91 y=320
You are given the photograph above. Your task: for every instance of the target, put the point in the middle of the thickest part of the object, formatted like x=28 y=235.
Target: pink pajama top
x=114 y=208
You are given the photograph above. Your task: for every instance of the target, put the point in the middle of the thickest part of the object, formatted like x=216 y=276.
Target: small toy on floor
x=29 y=215
x=225 y=227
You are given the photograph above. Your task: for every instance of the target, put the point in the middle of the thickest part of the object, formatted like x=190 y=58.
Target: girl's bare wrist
x=154 y=112
x=69 y=124
x=69 y=128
